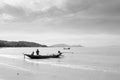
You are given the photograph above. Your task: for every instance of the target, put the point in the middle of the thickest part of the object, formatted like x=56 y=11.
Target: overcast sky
x=85 y=22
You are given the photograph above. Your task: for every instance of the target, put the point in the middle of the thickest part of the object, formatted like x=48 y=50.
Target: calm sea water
x=83 y=63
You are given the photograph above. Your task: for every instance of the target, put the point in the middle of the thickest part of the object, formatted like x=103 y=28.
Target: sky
x=84 y=22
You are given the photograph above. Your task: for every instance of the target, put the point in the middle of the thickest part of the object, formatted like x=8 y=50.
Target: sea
x=78 y=63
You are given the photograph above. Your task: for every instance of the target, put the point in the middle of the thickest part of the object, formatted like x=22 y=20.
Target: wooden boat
x=43 y=56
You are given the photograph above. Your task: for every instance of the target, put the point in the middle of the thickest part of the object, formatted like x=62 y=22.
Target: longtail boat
x=43 y=56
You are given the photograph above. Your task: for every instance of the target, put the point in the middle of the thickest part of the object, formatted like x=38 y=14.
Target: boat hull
x=43 y=56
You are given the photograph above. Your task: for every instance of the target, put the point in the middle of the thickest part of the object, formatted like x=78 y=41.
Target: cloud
x=105 y=8
x=30 y=10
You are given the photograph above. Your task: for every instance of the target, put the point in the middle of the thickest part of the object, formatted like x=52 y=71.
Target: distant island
x=4 y=43
x=65 y=45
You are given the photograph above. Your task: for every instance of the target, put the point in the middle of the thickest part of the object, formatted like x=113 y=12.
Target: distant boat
x=66 y=48
x=43 y=56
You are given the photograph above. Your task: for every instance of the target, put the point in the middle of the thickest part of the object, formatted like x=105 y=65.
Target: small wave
x=10 y=56
x=82 y=67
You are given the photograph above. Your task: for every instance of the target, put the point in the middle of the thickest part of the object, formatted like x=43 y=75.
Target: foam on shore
x=9 y=56
x=57 y=64
x=71 y=66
